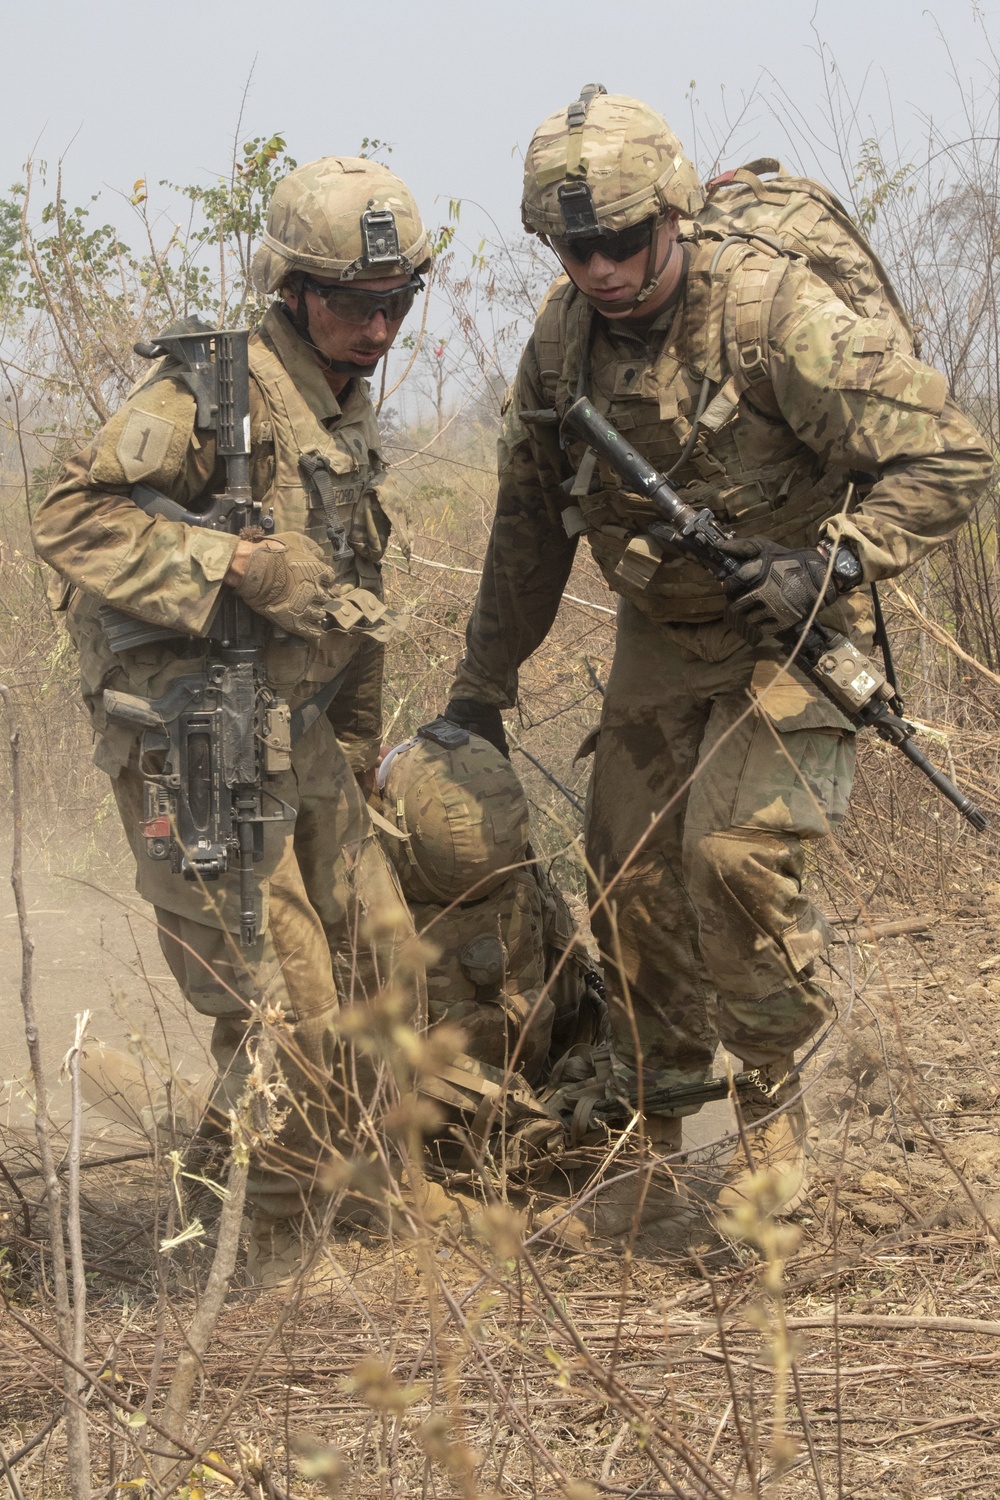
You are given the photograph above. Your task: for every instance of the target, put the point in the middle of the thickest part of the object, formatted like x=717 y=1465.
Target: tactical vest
x=739 y=458
x=338 y=496
x=331 y=498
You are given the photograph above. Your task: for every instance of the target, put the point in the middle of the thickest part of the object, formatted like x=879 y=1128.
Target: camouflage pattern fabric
x=314 y=223
x=170 y=574
x=338 y=930
x=702 y=919
x=488 y=972
x=462 y=813
x=706 y=929
x=335 y=925
x=496 y=922
x=805 y=217
x=633 y=163
x=777 y=464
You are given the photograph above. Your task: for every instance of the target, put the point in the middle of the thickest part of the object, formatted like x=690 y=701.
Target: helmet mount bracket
x=379 y=237
x=576 y=203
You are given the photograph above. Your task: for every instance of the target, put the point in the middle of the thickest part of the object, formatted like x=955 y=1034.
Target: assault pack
x=755 y=226
x=801 y=216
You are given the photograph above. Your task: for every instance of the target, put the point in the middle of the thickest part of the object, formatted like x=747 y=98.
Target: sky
x=123 y=89
x=128 y=89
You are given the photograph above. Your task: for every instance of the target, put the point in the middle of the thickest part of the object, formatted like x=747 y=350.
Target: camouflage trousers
x=337 y=932
x=699 y=805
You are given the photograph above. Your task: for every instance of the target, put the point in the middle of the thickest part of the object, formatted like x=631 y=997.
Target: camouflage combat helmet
x=606 y=162
x=343 y=217
x=463 y=809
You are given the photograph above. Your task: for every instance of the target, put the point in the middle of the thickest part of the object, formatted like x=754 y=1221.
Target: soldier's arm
x=91 y=532
x=529 y=556
x=857 y=403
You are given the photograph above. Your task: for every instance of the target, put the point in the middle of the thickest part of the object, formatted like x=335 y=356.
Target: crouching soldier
x=508 y=970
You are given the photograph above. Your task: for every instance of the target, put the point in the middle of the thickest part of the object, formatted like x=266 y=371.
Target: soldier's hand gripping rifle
x=212 y=742
x=849 y=679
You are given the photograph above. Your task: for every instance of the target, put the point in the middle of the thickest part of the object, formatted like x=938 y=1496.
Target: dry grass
x=464 y=1365
x=470 y=1365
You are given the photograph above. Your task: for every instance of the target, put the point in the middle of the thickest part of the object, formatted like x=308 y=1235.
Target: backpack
x=799 y=215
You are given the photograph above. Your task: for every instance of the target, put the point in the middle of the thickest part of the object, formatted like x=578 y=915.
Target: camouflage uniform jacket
x=803 y=395
x=170 y=573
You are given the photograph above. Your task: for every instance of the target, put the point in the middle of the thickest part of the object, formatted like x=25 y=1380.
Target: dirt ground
x=448 y=1367
x=94 y=948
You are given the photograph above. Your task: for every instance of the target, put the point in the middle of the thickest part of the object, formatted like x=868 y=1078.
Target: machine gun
x=215 y=738
x=850 y=680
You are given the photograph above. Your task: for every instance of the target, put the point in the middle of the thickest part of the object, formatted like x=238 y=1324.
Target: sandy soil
x=94 y=948
x=443 y=1368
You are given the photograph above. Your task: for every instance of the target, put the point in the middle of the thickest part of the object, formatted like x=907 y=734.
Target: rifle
x=217 y=736
x=850 y=680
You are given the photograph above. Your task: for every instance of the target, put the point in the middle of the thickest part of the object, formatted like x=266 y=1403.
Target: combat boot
x=776 y=1182
x=284 y=1251
x=637 y=1195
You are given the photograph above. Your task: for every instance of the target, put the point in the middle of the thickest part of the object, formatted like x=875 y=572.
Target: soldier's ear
x=291 y=289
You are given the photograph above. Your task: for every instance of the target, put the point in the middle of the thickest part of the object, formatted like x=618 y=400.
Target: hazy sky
x=130 y=88
x=127 y=89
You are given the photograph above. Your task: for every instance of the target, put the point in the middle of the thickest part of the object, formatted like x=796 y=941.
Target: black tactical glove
x=479 y=718
x=777 y=587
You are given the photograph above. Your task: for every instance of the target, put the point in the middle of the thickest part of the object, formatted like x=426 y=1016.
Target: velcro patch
x=143 y=444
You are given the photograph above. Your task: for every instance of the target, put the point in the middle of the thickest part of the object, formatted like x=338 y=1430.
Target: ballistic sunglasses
x=616 y=244
x=354 y=305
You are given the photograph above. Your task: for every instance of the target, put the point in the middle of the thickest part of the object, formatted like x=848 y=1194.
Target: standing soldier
x=763 y=396
x=343 y=250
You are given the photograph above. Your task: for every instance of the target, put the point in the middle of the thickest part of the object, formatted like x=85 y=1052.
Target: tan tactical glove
x=286 y=579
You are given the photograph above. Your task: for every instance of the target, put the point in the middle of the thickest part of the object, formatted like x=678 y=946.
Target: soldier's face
x=613 y=285
x=359 y=344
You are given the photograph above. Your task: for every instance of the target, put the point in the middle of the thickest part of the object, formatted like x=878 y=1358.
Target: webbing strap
x=747 y=314
x=882 y=641
x=576 y=115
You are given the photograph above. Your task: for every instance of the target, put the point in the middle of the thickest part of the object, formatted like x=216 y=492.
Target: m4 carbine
x=218 y=735
x=850 y=680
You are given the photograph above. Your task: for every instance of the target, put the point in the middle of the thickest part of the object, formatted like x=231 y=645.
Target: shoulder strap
x=747 y=313
x=554 y=332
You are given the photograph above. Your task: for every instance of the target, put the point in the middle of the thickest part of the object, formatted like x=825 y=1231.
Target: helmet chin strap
x=654 y=275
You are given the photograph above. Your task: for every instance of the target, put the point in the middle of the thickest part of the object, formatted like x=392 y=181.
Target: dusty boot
x=648 y=1198
x=275 y=1252
x=281 y=1251
x=426 y=1206
x=777 y=1181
